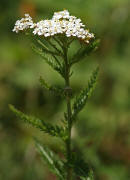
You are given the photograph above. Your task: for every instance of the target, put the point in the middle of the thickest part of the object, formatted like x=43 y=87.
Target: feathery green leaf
x=40 y=124
x=81 y=100
x=55 y=47
x=45 y=49
x=82 y=168
x=58 y=91
x=84 y=51
x=51 y=61
x=55 y=164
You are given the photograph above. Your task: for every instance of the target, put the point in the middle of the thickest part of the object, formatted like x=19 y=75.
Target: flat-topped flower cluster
x=24 y=23
x=61 y=23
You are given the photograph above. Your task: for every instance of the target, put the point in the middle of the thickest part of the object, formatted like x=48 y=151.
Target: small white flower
x=23 y=24
x=61 y=23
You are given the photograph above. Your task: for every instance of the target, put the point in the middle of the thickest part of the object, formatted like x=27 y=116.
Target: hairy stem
x=69 y=113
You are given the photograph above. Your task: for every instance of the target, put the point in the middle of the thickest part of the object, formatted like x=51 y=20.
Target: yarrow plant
x=61 y=23
x=52 y=40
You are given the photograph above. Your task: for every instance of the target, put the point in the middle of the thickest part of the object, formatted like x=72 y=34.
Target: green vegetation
x=102 y=132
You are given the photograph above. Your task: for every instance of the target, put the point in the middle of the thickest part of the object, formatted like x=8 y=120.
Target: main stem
x=69 y=121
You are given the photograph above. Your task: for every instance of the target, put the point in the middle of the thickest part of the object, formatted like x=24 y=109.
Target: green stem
x=69 y=113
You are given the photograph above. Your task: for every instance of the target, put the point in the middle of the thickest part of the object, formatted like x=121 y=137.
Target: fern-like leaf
x=45 y=49
x=81 y=168
x=81 y=100
x=40 y=124
x=58 y=91
x=84 y=51
x=55 y=164
x=51 y=61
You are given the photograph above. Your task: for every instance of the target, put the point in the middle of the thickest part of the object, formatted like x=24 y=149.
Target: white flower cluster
x=61 y=23
x=23 y=24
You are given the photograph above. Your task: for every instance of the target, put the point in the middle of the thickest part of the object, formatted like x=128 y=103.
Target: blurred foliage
x=105 y=122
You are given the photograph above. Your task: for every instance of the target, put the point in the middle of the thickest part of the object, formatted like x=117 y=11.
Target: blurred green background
x=103 y=129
